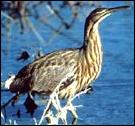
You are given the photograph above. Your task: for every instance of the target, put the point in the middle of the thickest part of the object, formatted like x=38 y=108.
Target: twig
x=58 y=31
x=54 y=11
x=80 y=93
x=7 y=16
x=40 y=38
x=13 y=98
x=45 y=111
x=61 y=112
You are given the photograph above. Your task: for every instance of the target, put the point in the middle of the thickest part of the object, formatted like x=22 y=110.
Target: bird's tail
x=9 y=81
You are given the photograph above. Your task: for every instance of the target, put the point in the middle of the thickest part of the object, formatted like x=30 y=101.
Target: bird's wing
x=44 y=74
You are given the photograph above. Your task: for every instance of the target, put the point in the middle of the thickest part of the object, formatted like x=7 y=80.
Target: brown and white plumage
x=73 y=69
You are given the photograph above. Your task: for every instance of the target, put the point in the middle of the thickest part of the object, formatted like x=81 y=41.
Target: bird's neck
x=92 y=47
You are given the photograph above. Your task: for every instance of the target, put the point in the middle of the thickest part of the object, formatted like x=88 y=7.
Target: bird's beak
x=110 y=10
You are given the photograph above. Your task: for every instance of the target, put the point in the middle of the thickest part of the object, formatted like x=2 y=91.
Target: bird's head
x=97 y=15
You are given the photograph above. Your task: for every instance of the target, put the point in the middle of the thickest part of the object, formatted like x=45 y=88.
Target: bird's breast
x=88 y=72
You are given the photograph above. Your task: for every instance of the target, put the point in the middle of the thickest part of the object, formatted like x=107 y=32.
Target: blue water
x=112 y=101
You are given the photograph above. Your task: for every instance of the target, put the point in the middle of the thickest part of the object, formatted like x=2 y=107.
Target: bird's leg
x=74 y=121
x=72 y=108
x=73 y=111
x=48 y=118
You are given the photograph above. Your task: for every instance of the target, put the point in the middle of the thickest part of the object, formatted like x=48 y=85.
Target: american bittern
x=73 y=69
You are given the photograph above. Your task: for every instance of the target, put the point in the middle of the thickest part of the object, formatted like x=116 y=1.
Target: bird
x=74 y=69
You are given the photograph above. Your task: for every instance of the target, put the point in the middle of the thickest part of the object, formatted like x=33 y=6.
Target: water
x=112 y=100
